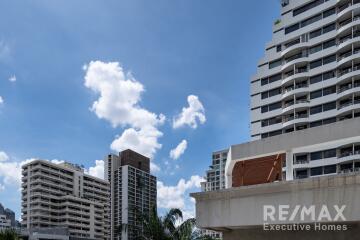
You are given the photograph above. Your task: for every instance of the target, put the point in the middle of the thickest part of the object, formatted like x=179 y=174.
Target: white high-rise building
x=133 y=193
x=62 y=195
x=309 y=75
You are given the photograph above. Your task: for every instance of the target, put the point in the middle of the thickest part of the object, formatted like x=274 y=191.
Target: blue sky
x=172 y=49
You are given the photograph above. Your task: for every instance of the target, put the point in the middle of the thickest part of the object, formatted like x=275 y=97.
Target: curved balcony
x=302 y=118
x=348 y=106
x=347 y=8
x=348 y=89
x=294 y=90
x=297 y=59
x=348 y=73
x=294 y=47
x=348 y=24
x=349 y=156
x=348 y=57
x=296 y=75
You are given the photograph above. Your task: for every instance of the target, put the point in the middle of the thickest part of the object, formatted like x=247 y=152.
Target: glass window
x=311 y=20
x=274 y=92
x=274 y=106
x=264 y=95
x=316 y=109
x=278 y=48
x=264 y=81
x=316 y=124
x=274 y=133
x=316 y=171
x=275 y=78
x=329 y=59
x=328 y=75
x=316 y=94
x=329 y=43
x=329 y=12
x=316 y=155
x=292 y=28
x=330 y=153
x=315 y=49
x=315 y=64
x=329 y=106
x=275 y=64
x=316 y=79
x=329 y=120
x=329 y=90
x=315 y=33
x=328 y=28
x=330 y=169
x=264 y=109
x=307 y=7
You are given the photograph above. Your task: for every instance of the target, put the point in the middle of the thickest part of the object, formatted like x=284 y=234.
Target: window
x=311 y=20
x=275 y=78
x=275 y=64
x=274 y=92
x=278 y=48
x=316 y=171
x=316 y=156
x=264 y=95
x=315 y=49
x=329 y=59
x=329 y=12
x=316 y=109
x=329 y=106
x=315 y=33
x=329 y=120
x=316 y=124
x=330 y=169
x=264 y=81
x=329 y=43
x=274 y=106
x=315 y=64
x=328 y=75
x=328 y=28
x=316 y=94
x=292 y=28
x=330 y=153
x=274 y=133
x=316 y=79
x=307 y=7
x=264 y=109
x=329 y=90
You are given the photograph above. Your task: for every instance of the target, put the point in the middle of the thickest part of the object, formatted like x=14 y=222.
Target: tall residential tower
x=133 y=192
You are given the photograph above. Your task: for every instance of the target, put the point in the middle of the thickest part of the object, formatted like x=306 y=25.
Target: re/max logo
x=303 y=213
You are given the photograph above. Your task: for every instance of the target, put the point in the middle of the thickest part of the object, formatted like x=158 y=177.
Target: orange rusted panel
x=257 y=171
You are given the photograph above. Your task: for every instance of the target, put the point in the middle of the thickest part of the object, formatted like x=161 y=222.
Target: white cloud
x=154 y=168
x=175 y=196
x=118 y=103
x=3 y=157
x=12 y=78
x=179 y=150
x=97 y=170
x=1 y=100
x=192 y=115
x=2 y=187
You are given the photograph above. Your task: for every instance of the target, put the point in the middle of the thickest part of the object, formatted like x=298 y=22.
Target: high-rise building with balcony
x=62 y=195
x=133 y=193
x=310 y=74
x=305 y=108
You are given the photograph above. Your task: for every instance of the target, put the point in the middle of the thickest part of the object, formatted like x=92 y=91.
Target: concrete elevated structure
x=239 y=212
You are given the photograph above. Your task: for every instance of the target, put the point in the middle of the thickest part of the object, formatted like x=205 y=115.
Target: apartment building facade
x=133 y=192
x=305 y=108
x=63 y=195
x=310 y=76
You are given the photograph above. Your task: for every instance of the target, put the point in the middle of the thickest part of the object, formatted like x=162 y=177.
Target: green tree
x=8 y=234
